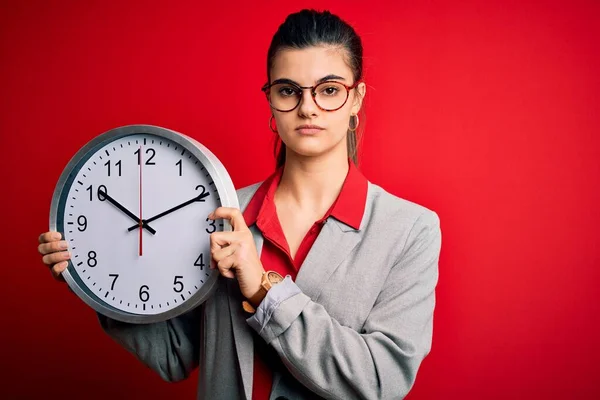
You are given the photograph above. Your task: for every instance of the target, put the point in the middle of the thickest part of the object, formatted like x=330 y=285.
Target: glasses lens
x=330 y=95
x=284 y=96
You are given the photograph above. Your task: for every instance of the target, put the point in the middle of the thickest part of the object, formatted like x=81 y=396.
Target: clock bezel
x=223 y=184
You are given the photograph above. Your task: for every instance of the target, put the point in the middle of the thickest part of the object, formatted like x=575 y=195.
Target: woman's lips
x=309 y=131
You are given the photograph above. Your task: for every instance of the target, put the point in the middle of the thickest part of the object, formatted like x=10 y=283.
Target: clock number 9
x=82 y=222
x=176 y=282
x=144 y=295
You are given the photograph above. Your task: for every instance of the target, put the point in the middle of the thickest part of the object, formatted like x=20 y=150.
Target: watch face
x=274 y=277
x=134 y=211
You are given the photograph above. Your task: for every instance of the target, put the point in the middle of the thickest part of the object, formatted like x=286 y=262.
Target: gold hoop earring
x=350 y=128
x=271 y=124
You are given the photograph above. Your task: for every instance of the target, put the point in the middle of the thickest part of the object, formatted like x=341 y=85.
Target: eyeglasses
x=328 y=95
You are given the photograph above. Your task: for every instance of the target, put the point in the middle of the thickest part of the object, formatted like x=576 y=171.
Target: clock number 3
x=212 y=225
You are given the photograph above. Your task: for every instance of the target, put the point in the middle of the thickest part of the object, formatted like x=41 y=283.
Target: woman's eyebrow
x=325 y=78
x=330 y=77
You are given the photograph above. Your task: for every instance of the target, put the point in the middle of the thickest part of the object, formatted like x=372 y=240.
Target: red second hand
x=140 y=222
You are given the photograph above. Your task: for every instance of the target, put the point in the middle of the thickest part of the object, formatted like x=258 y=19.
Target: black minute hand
x=200 y=197
x=126 y=211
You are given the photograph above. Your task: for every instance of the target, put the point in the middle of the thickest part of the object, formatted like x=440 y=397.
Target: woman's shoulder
x=245 y=193
x=384 y=205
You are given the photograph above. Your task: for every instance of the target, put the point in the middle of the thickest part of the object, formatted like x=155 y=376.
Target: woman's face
x=307 y=67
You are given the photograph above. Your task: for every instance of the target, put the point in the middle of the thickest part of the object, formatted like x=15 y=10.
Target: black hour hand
x=126 y=211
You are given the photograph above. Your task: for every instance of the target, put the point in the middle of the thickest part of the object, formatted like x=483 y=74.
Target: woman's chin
x=309 y=152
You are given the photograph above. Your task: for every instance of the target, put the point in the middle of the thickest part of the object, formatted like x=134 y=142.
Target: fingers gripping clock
x=133 y=205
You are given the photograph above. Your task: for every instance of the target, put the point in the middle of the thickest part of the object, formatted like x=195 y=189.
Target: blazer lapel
x=244 y=344
x=334 y=243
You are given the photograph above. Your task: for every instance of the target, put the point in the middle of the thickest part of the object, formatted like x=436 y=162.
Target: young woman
x=353 y=317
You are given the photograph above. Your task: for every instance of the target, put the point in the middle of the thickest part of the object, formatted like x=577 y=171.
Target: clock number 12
x=149 y=160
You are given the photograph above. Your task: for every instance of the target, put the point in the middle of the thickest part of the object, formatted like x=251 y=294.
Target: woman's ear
x=359 y=95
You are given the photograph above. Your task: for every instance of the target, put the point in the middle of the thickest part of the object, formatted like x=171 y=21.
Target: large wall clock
x=133 y=205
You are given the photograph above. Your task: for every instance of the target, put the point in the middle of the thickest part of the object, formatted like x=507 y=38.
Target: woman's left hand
x=234 y=253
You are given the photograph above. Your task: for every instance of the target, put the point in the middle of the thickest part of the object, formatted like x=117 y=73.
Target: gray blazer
x=357 y=324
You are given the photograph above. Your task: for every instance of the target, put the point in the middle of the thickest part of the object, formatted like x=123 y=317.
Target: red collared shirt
x=275 y=256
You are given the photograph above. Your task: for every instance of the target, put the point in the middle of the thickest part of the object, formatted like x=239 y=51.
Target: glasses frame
x=267 y=86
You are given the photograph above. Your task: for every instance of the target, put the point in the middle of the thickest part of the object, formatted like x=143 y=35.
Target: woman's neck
x=312 y=183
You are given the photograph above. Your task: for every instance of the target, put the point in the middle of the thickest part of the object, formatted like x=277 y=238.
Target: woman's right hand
x=55 y=253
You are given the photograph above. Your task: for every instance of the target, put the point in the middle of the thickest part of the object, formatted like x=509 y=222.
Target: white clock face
x=141 y=177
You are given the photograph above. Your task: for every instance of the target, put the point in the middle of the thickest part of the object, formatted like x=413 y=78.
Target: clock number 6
x=176 y=282
x=144 y=295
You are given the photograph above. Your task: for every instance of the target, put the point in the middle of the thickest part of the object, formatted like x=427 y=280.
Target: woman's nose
x=307 y=103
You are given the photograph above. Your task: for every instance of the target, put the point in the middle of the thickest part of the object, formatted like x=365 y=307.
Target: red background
x=486 y=112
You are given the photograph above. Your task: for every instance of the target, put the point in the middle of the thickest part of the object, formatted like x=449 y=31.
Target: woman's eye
x=286 y=91
x=330 y=91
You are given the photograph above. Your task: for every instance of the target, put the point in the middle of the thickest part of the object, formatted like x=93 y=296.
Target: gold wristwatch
x=269 y=278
